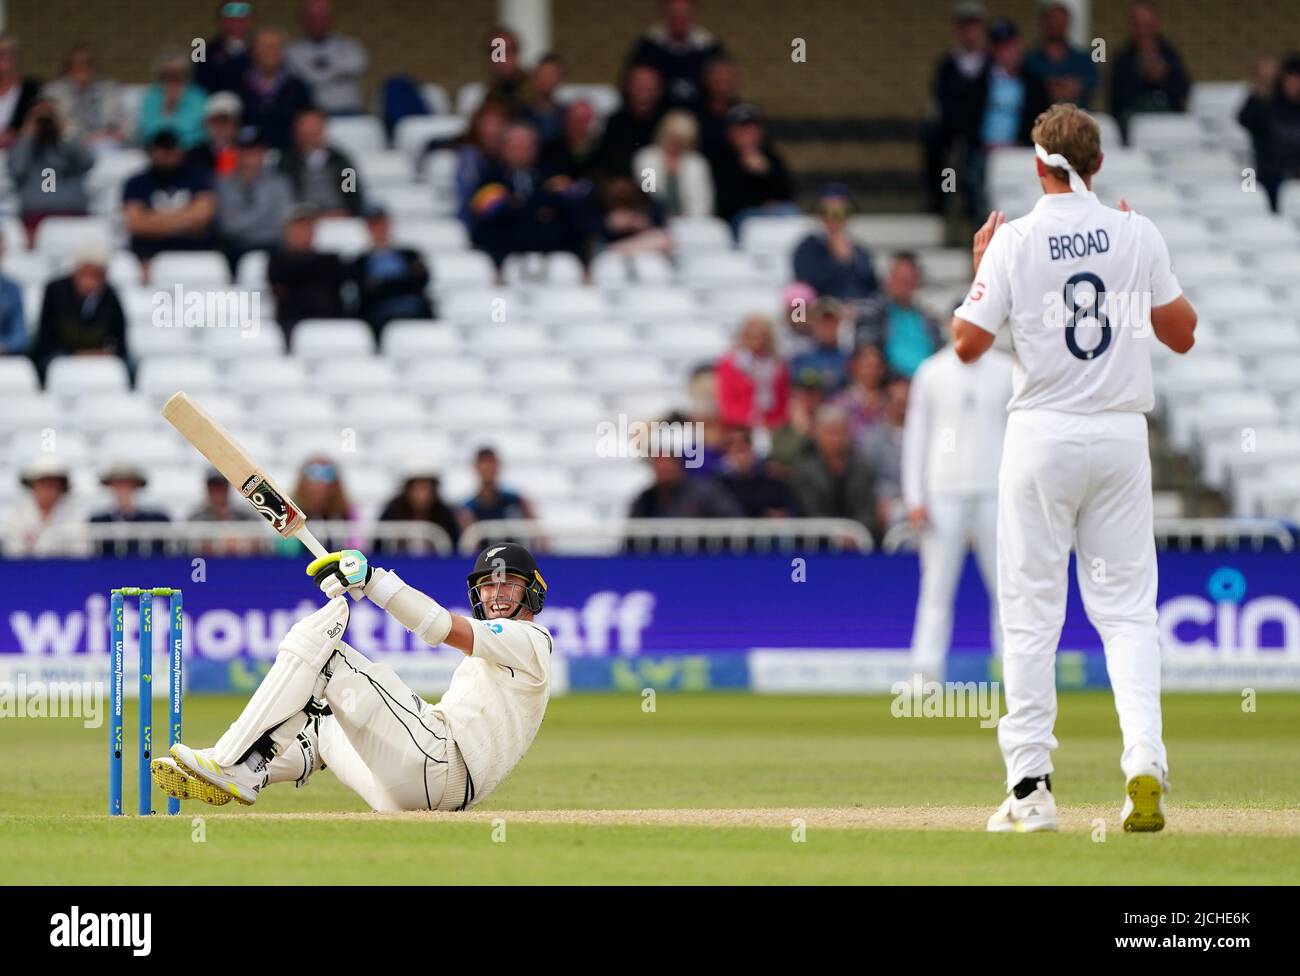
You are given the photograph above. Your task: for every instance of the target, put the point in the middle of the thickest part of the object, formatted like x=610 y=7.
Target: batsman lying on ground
x=323 y=704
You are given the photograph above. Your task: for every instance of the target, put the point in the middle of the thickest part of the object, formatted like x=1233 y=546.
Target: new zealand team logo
x=269 y=503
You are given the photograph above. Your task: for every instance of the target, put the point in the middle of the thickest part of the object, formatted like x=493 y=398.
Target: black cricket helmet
x=503 y=559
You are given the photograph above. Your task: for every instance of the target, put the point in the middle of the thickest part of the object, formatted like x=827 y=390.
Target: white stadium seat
x=192 y=269
x=569 y=303
x=604 y=99
x=405 y=339
x=656 y=304
x=62 y=236
x=468 y=411
x=413 y=201
x=385 y=167
x=722 y=269
x=266 y=339
x=415 y=132
x=1166 y=131
x=353 y=375
x=355 y=135
x=432 y=235
x=17 y=378
x=162 y=376
x=436 y=98
x=332 y=338
x=371 y=412
x=285 y=411
x=468 y=98
x=251 y=270
x=267 y=375
x=347 y=236
x=563 y=410
x=527 y=375
x=30 y=412
x=776 y=236
x=74 y=376
x=902 y=232
x=456 y=269
x=560 y=268
x=691 y=234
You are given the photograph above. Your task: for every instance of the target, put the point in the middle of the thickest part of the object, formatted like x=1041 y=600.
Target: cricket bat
x=214 y=442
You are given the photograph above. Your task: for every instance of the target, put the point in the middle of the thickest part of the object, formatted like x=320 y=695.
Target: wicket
x=116 y=644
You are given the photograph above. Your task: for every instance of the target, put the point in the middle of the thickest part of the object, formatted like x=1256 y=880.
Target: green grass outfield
x=884 y=800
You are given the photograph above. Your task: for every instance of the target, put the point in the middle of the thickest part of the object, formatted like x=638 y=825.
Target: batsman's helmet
x=503 y=559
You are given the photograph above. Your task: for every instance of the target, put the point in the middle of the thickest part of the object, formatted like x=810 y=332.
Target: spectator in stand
x=418 y=501
x=677 y=48
x=16 y=92
x=125 y=481
x=1068 y=72
x=252 y=202
x=13 y=316
x=1014 y=97
x=633 y=221
x=90 y=106
x=835 y=480
x=1272 y=116
x=390 y=281
x=321 y=496
x=220 y=507
x=827 y=357
x=273 y=97
x=515 y=211
x=306 y=282
x=226 y=53
x=682 y=181
x=752 y=178
x=218 y=154
x=478 y=152
x=719 y=95
x=542 y=109
x=674 y=495
x=745 y=476
x=632 y=127
x=863 y=401
x=793 y=440
x=172 y=103
x=39 y=523
x=958 y=90
x=507 y=80
x=908 y=334
x=882 y=446
x=1148 y=75
x=493 y=501
x=797 y=300
x=829 y=259
x=170 y=206
x=322 y=177
x=48 y=167
x=753 y=382
x=80 y=313
x=330 y=64
x=574 y=156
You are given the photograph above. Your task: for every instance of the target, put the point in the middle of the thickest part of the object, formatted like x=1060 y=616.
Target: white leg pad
x=288 y=686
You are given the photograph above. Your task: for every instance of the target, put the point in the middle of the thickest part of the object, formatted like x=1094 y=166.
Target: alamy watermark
x=918 y=698
x=623 y=438
x=53 y=699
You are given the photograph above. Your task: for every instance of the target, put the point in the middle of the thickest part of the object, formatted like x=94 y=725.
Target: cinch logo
x=1227 y=622
x=105 y=930
x=495 y=628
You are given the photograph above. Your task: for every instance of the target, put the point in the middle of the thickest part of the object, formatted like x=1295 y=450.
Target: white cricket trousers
x=386 y=743
x=1081 y=479
x=956 y=521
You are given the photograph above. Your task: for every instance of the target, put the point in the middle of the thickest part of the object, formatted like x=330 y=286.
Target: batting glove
x=347 y=571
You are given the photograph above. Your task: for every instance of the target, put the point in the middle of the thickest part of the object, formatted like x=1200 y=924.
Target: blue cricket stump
x=175 y=690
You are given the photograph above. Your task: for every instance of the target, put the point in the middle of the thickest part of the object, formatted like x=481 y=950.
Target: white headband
x=1060 y=162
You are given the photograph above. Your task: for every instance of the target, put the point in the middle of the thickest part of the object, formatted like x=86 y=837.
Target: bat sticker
x=270 y=504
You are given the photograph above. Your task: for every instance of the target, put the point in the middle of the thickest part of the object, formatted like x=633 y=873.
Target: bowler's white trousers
x=956 y=523
x=1083 y=479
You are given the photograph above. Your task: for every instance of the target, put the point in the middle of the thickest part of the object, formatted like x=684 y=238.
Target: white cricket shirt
x=956 y=418
x=1044 y=273
x=497 y=699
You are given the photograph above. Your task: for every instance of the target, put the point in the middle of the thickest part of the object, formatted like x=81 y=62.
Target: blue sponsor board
x=670 y=622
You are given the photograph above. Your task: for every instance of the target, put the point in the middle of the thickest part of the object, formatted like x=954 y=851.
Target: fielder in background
x=952 y=444
x=1084 y=287
x=324 y=704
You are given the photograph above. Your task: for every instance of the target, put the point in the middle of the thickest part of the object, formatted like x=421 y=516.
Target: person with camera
x=48 y=169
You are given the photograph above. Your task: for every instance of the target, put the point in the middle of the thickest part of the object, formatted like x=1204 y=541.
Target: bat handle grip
x=311 y=542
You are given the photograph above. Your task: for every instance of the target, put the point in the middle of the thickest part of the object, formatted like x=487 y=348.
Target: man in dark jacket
x=1273 y=120
x=835 y=265
x=677 y=47
x=323 y=178
x=171 y=206
x=960 y=83
x=1149 y=75
x=272 y=96
x=306 y=282
x=751 y=177
x=81 y=314
x=125 y=481
x=226 y=53
x=632 y=127
x=746 y=478
x=391 y=281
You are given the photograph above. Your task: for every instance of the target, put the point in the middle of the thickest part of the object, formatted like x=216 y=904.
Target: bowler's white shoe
x=1144 y=800
x=1035 y=812
x=243 y=781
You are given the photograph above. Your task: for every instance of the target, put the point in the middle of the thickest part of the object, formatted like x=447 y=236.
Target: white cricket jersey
x=956 y=417
x=1044 y=273
x=497 y=698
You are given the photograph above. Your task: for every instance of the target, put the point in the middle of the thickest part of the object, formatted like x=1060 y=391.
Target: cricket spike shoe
x=175 y=782
x=242 y=781
x=1029 y=813
x=1144 y=800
